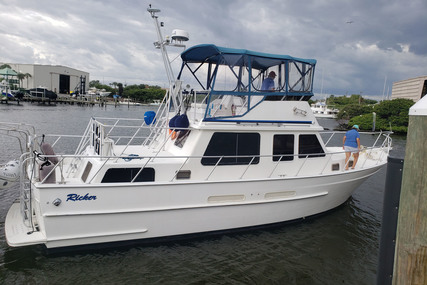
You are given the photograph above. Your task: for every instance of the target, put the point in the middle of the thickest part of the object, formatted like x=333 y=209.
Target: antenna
x=178 y=37
x=160 y=44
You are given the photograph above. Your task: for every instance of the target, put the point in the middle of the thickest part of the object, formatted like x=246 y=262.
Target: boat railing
x=366 y=137
x=118 y=129
x=133 y=137
x=97 y=137
x=100 y=134
x=22 y=132
x=128 y=157
x=305 y=164
x=160 y=122
x=380 y=134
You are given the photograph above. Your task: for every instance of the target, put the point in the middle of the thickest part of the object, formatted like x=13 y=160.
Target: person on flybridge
x=268 y=83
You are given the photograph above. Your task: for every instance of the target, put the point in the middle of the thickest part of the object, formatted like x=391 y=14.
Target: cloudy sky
x=359 y=45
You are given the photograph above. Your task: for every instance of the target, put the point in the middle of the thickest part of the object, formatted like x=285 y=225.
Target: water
x=339 y=247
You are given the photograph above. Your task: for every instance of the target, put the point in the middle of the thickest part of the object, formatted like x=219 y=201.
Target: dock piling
x=389 y=221
x=410 y=264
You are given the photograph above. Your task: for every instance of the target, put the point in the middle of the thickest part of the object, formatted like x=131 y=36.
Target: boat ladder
x=25 y=202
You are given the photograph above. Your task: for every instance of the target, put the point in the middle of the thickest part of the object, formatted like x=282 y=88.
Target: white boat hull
x=162 y=210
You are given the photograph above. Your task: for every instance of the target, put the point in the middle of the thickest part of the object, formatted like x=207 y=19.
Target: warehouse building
x=414 y=88
x=57 y=78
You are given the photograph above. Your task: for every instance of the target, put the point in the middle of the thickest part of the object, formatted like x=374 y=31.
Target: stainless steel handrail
x=186 y=160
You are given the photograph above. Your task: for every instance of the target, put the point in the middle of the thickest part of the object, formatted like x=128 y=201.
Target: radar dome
x=180 y=35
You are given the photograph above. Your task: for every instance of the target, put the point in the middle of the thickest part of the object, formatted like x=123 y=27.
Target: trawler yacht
x=218 y=154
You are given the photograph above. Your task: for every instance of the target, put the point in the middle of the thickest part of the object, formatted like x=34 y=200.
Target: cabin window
x=283 y=147
x=232 y=145
x=117 y=175
x=309 y=146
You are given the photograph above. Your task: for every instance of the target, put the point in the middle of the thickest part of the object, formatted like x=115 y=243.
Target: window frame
x=224 y=148
x=113 y=175
x=283 y=156
x=306 y=151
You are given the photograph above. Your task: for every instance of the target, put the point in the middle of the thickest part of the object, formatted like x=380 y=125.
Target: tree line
x=142 y=93
x=356 y=110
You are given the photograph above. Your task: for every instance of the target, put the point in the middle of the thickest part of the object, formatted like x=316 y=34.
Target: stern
x=17 y=232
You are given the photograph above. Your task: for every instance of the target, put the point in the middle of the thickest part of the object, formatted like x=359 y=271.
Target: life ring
x=10 y=171
x=4 y=184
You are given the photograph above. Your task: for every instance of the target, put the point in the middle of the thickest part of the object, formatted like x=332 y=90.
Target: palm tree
x=5 y=65
x=21 y=77
x=114 y=84
x=27 y=75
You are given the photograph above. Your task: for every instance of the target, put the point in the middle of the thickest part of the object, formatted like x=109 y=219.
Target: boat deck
x=17 y=230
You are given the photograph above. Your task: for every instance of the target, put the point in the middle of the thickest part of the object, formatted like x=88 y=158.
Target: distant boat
x=5 y=96
x=93 y=91
x=129 y=102
x=19 y=95
x=42 y=92
x=155 y=103
x=321 y=110
x=103 y=93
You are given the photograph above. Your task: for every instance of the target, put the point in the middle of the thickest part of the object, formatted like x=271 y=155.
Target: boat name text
x=76 y=197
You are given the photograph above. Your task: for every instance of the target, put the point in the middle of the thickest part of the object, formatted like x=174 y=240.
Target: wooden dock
x=8 y=101
x=59 y=100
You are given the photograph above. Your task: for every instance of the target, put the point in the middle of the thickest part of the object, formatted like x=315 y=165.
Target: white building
x=58 y=78
x=414 y=88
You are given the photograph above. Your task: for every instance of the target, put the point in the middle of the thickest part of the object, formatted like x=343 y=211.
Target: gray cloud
x=357 y=43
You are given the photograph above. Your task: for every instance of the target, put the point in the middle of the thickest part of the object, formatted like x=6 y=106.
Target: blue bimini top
x=215 y=54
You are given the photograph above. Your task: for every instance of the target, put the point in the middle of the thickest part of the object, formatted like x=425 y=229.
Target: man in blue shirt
x=268 y=83
x=351 y=144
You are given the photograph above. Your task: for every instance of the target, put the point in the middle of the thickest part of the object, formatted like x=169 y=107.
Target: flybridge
x=213 y=53
x=245 y=70
x=232 y=79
